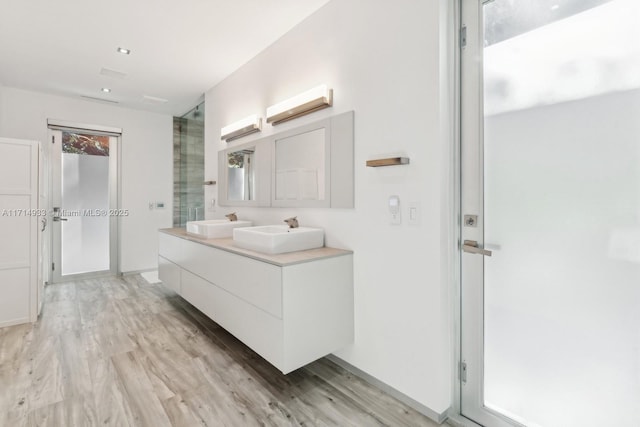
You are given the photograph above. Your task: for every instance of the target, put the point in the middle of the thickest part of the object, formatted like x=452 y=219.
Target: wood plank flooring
x=123 y=352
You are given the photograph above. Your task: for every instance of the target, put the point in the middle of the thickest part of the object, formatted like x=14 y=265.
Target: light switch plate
x=414 y=213
x=394 y=210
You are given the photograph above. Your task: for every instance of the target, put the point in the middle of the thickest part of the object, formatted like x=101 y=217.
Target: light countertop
x=282 y=260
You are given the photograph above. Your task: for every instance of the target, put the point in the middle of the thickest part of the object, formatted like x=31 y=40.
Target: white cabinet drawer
x=256 y=282
x=170 y=247
x=169 y=273
x=199 y=292
x=251 y=325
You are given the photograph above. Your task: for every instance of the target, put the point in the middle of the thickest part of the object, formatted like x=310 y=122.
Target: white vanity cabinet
x=290 y=308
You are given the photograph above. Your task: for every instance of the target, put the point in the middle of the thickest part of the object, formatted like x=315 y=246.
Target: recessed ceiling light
x=555 y=7
x=124 y=51
x=154 y=99
x=106 y=90
x=93 y=98
x=112 y=73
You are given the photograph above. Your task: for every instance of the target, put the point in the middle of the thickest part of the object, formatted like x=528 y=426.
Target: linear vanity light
x=241 y=128
x=307 y=102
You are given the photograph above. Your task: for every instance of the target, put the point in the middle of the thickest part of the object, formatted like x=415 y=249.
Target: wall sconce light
x=241 y=128
x=312 y=100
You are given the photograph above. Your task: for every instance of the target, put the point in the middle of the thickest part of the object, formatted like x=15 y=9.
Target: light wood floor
x=122 y=352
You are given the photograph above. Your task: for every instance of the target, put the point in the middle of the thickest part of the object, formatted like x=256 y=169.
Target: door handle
x=56 y=215
x=471 y=246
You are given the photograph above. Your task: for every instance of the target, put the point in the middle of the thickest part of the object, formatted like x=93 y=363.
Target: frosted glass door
x=83 y=203
x=551 y=321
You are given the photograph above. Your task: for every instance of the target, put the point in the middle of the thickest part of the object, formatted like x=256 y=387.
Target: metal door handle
x=471 y=246
x=56 y=215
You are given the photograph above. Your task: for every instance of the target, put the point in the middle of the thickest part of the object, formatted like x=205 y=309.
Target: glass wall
x=188 y=167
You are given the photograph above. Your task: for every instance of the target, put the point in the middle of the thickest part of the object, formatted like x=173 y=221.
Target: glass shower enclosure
x=188 y=166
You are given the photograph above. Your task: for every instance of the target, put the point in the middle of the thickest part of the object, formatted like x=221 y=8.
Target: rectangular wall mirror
x=243 y=173
x=240 y=174
x=301 y=166
x=308 y=166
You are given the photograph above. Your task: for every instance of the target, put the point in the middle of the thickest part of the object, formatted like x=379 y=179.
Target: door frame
x=115 y=197
x=468 y=118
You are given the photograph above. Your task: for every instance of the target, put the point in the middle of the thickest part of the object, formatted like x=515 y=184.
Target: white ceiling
x=180 y=49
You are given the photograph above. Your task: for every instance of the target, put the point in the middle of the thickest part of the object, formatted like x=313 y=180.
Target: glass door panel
x=85 y=198
x=558 y=155
x=84 y=195
x=188 y=167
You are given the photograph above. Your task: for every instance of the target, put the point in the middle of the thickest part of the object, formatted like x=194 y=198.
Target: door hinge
x=463 y=36
x=53 y=139
x=53 y=266
x=463 y=372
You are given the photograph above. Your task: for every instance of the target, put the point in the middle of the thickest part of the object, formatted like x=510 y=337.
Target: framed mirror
x=244 y=175
x=308 y=166
x=241 y=174
x=301 y=160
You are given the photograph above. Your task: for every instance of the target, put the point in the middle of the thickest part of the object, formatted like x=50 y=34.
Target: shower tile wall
x=176 y=171
x=188 y=170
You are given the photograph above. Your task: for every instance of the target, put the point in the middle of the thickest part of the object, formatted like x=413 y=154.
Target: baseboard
x=424 y=410
x=134 y=272
x=13 y=322
x=460 y=421
x=455 y=422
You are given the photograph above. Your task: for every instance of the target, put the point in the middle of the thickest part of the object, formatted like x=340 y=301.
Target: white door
x=84 y=199
x=19 y=217
x=550 y=161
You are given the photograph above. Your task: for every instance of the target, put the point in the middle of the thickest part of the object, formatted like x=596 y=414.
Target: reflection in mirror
x=300 y=166
x=241 y=174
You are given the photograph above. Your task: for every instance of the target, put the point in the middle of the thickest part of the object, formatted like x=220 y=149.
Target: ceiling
x=179 y=49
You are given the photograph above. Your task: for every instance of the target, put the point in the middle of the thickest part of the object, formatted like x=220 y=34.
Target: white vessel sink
x=277 y=239
x=215 y=228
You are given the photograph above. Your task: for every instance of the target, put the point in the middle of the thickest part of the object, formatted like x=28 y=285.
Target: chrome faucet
x=292 y=222
x=232 y=216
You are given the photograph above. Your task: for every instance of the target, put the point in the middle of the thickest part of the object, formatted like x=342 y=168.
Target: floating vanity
x=290 y=308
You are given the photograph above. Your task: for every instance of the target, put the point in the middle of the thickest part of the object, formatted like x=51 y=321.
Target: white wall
x=385 y=61
x=146 y=167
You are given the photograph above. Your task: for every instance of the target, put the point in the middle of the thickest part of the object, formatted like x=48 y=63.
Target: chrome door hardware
x=471 y=246
x=471 y=220
x=56 y=215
